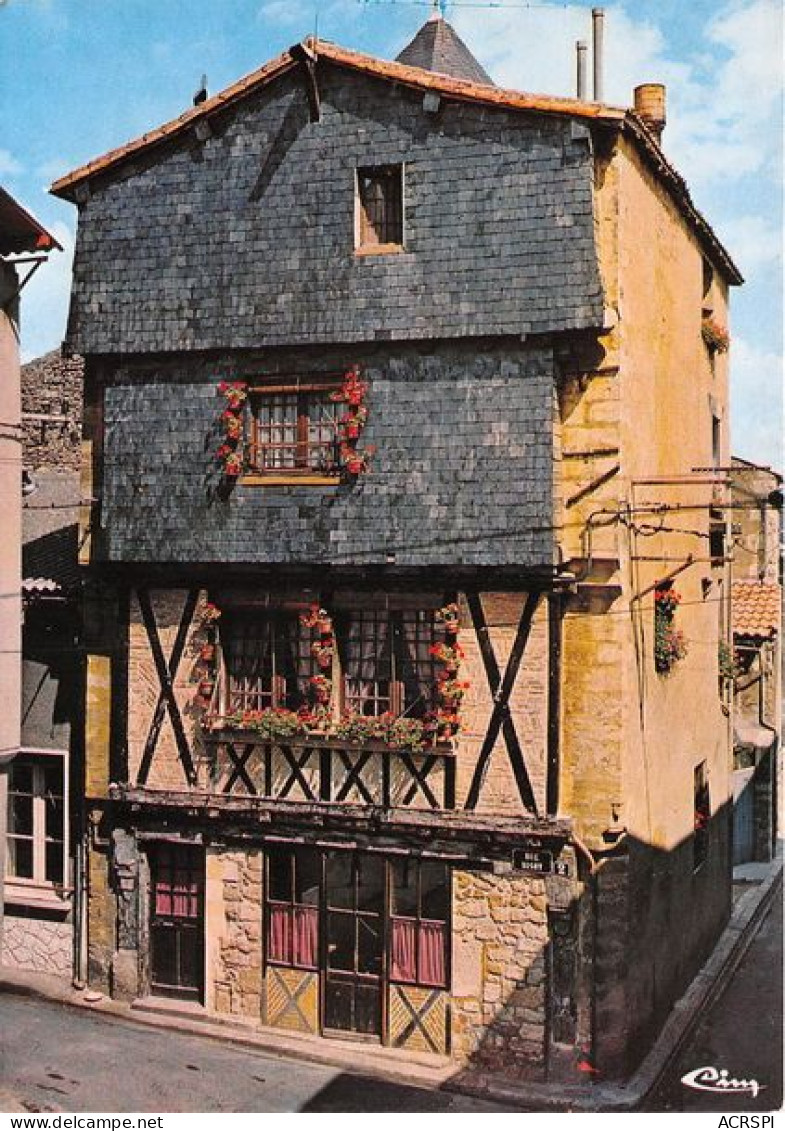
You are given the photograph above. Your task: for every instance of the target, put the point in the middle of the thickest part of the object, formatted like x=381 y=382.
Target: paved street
x=742 y=1033
x=53 y=1058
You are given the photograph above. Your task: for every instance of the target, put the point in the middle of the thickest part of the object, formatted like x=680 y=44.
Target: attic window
x=380 y=209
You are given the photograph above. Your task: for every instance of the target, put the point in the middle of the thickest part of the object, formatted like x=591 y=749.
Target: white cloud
x=724 y=104
x=9 y=166
x=756 y=400
x=755 y=241
x=45 y=298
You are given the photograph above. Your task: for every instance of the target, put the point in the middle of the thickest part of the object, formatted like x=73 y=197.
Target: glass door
x=354 y=901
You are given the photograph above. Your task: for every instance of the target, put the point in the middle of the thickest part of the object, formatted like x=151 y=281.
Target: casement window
x=293 y=428
x=267 y=658
x=380 y=208
x=420 y=912
x=292 y=908
x=386 y=661
x=37 y=820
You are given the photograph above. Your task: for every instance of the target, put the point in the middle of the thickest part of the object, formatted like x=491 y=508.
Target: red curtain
x=280 y=949
x=432 y=971
x=163 y=899
x=306 y=937
x=294 y=936
x=404 y=950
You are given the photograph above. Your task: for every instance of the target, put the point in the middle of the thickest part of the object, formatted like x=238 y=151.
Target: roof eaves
x=652 y=152
x=220 y=101
x=20 y=231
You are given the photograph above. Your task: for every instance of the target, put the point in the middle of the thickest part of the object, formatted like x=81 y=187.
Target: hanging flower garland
x=230 y=454
x=353 y=392
x=207 y=656
x=670 y=645
x=445 y=720
x=323 y=649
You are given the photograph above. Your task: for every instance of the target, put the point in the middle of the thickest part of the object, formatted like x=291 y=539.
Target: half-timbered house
x=395 y=387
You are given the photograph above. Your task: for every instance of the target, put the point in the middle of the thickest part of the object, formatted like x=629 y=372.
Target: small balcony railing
x=319 y=770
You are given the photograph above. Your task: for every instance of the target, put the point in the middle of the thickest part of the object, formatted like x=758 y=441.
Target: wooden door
x=354 y=938
x=177 y=922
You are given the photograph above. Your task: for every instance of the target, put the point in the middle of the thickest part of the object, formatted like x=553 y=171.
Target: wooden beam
x=501 y=691
x=555 y=619
x=305 y=58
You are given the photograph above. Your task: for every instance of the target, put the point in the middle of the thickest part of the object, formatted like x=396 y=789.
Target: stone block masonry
x=500 y=939
x=43 y=945
x=52 y=411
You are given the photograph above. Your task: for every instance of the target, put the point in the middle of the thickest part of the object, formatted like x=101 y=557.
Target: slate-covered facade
x=368 y=750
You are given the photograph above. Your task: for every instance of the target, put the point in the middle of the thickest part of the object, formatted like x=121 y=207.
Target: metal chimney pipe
x=598 y=37
x=582 y=61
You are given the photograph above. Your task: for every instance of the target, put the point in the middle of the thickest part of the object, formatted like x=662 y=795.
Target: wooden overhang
x=615 y=117
x=20 y=232
x=458 y=834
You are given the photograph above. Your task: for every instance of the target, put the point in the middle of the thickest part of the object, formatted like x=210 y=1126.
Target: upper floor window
x=36 y=820
x=380 y=208
x=268 y=661
x=293 y=428
x=387 y=662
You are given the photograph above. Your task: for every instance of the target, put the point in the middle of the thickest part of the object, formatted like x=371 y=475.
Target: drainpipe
x=10 y=549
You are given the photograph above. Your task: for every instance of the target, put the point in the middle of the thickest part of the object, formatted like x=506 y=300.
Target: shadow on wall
x=618 y=957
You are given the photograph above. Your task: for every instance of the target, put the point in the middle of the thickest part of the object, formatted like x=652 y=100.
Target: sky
x=79 y=77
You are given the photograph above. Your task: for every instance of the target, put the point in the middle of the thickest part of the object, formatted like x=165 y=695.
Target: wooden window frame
x=420 y=919
x=291 y=905
x=367 y=237
x=302 y=388
x=38 y=889
x=395 y=639
x=277 y=691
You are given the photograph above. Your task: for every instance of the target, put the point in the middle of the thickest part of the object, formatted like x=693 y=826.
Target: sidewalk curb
x=686 y=1014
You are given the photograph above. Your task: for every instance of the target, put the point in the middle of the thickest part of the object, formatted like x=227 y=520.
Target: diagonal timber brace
x=166 y=697
x=501 y=689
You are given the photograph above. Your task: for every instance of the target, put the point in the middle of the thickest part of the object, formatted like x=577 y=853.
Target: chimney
x=650 y=106
x=598 y=37
x=581 y=55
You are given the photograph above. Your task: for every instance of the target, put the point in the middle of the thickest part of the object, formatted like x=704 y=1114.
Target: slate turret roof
x=438 y=47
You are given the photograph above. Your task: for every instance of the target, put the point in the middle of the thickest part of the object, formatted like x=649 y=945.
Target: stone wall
x=43 y=945
x=249 y=237
x=52 y=387
x=234 y=932
x=500 y=938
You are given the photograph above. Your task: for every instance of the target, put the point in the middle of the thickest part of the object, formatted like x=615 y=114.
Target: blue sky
x=78 y=77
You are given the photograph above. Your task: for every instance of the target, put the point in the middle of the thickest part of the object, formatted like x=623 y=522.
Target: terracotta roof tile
x=757 y=608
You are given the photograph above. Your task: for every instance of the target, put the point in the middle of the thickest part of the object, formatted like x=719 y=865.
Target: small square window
x=380 y=208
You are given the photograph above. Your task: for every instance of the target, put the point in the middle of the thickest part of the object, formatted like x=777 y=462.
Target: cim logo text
x=720 y=1081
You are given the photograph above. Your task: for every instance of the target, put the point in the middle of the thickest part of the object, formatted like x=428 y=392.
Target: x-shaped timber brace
x=166 y=674
x=501 y=689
